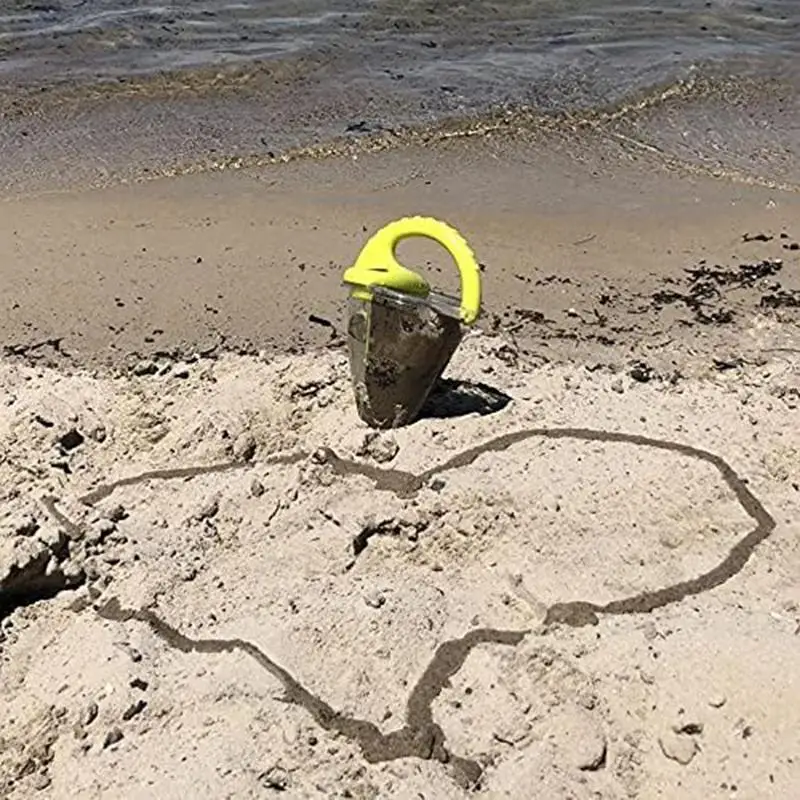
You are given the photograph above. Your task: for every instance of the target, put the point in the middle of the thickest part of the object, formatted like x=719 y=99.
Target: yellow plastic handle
x=380 y=249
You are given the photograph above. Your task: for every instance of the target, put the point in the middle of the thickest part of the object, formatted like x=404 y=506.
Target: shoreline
x=700 y=123
x=242 y=259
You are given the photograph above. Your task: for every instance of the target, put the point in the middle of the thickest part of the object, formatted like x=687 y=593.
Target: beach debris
x=688 y=728
x=723 y=364
x=507 y=354
x=707 y=284
x=335 y=336
x=781 y=299
x=641 y=372
x=757 y=237
x=32 y=349
x=317 y=320
x=744 y=275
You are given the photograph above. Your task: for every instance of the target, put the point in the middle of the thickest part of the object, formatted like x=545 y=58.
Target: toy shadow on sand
x=453 y=398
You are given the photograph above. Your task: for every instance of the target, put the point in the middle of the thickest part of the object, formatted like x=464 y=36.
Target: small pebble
x=275 y=778
x=117 y=514
x=256 y=488
x=671 y=539
x=89 y=714
x=678 y=747
x=41 y=781
x=374 y=599
x=717 y=700
x=98 y=433
x=244 y=448
x=145 y=368
x=618 y=386
x=320 y=456
x=379 y=447
x=208 y=510
x=100 y=530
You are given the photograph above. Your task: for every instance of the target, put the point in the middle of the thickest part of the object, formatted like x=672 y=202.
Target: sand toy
x=402 y=333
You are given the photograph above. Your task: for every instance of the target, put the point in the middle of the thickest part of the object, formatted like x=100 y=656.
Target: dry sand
x=575 y=577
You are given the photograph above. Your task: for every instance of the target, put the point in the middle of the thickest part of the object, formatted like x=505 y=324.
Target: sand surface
x=575 y=577
x=569 y=233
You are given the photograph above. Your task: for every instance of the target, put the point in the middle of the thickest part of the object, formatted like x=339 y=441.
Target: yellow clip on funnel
x=377 y=265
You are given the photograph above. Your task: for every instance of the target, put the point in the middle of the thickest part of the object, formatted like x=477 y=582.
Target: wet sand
x=243 y=259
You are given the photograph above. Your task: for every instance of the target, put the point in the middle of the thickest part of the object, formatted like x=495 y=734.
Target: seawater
x=105 y=87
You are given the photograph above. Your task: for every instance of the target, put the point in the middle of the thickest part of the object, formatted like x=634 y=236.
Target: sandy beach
x=574 y=577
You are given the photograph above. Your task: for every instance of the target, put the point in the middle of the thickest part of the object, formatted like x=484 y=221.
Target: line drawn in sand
x=421 y=737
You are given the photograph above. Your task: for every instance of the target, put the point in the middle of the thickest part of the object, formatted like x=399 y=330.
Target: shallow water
x=182 y=81
x=487 y=51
